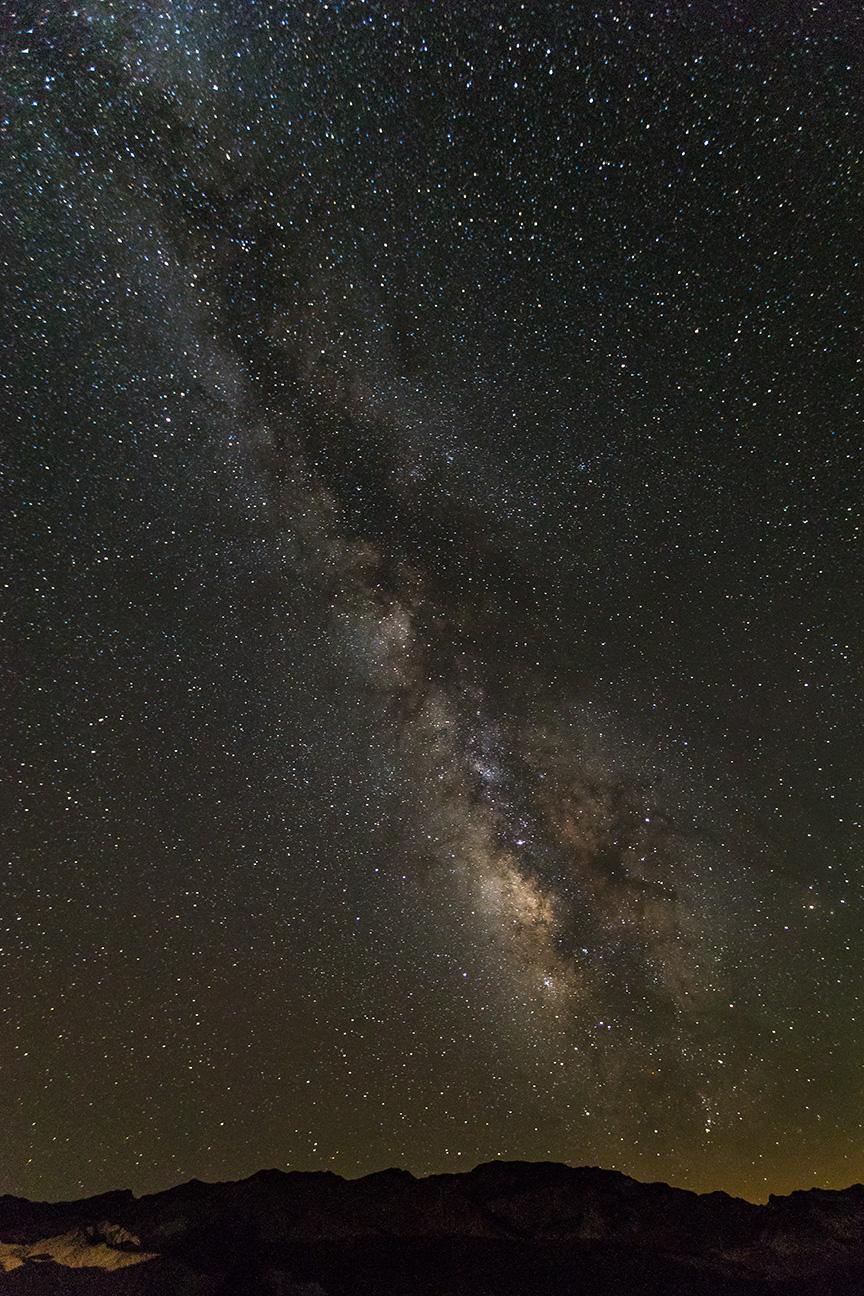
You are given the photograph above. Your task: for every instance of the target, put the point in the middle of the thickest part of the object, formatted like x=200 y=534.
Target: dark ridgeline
x=503 y=1229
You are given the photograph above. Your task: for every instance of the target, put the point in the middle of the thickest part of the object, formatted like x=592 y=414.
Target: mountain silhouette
x=503 y=1229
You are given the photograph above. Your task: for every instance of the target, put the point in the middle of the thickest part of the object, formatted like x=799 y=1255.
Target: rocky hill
x=504 y=1229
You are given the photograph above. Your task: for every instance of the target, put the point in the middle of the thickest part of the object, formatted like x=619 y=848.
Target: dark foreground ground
x=503 y=1229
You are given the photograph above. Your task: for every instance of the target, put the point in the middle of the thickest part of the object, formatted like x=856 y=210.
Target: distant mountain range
x=504 y=1229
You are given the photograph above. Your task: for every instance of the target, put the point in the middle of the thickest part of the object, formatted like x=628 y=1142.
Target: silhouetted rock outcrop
x=504 y=1229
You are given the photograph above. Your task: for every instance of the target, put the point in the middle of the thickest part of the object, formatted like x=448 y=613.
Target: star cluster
x=435 y=596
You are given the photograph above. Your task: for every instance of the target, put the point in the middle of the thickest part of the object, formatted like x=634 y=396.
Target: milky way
x=436 y=590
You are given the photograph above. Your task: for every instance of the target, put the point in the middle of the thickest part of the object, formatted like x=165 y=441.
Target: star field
x=434 y=590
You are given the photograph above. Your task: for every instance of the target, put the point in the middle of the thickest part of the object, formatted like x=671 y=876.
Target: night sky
x=434 y=589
